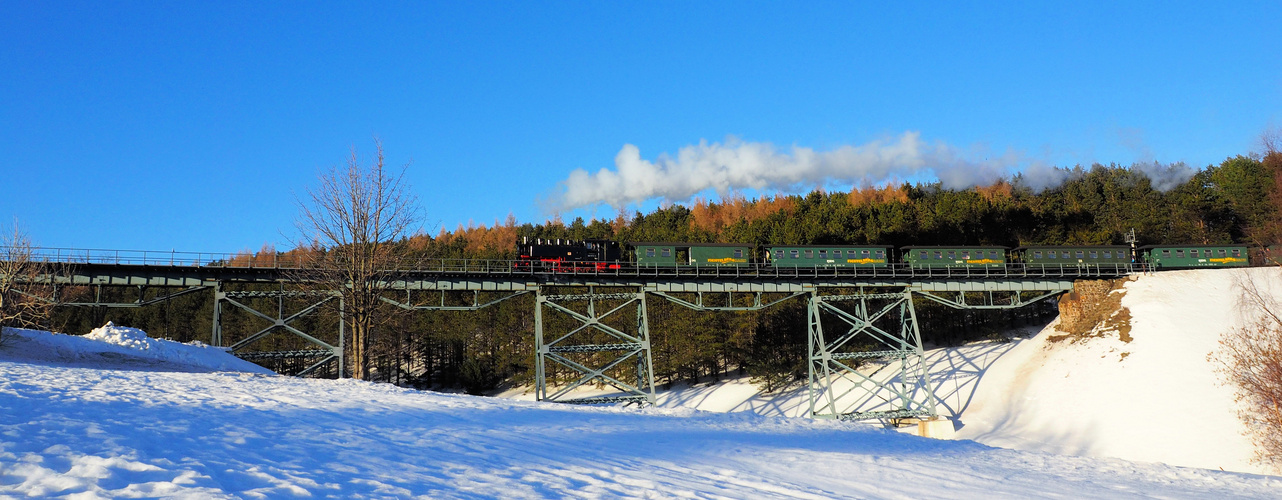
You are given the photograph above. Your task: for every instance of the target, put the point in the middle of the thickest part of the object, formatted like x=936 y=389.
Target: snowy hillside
x=1153 y=398
x=1149 y=395
x=114 y=429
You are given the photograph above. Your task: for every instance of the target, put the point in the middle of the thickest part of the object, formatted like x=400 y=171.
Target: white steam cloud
x=736 y=165
x=1165 y=177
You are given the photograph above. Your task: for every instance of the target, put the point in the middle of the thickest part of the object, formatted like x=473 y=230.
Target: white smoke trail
x=738 y=165
x=1165 y=177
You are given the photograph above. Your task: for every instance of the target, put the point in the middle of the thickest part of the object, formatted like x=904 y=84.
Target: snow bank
x=112 y=346
x=1155 y=398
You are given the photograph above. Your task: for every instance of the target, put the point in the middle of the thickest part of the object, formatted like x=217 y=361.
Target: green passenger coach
x=655 y=254
x=955 y=256
x=828 y=256
x=697 y=254
x=720 y=254
x=1192 y=256
x=1074 y=254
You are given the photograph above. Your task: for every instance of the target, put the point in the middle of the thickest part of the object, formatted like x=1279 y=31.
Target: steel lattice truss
x=847 y=380
x=280 y=322
x=604 y=362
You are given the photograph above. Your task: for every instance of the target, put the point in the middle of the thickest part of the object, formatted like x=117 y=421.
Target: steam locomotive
x=568 y=256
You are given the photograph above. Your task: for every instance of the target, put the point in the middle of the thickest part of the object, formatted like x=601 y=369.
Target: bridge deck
x=504 y=275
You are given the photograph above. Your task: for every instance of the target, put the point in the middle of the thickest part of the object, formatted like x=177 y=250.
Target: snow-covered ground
x=102 y=417
x=1155 y=398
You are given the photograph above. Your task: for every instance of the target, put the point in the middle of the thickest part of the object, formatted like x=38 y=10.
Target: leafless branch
x=1250 y=359
x=352 y=220
x=26 y=284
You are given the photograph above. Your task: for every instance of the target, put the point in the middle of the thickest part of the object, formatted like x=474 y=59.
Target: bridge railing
x=285 y=261
x=124 y=257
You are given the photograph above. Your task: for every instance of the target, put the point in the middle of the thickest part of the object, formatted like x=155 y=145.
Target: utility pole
x=1130 y=239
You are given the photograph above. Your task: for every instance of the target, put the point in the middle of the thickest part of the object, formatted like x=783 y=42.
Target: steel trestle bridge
x=866 y=359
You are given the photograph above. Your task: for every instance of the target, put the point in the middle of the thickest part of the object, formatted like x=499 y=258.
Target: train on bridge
x=603 y=255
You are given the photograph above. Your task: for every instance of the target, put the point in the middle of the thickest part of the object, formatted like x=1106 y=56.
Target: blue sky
x=192 y=126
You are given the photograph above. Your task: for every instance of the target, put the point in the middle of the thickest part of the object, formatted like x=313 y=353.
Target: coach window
x=778 y=254
x=810 y=254
x=952 y=255
x=1237 y=252
x=738 y=253
x=1179 y=253
x=649 y=252
x=667 y=252
x=864 y=253
x=1108 y=254
x=1222 y=252
x=823 y=254
x=965 y=255
x=881 y=254
x=1037 y=254
x=793 y=253
x=1166 y=253
x=1094 y=254
x=924 y=255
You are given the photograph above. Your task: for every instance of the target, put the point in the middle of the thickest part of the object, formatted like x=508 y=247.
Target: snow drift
x=1150 y=395
x=121 y=348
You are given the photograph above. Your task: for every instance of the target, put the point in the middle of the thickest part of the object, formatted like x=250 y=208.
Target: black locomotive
x=568 y=256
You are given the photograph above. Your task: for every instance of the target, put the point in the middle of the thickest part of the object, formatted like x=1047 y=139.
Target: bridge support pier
x=325 y=353
x=871 y=370
x=595 y=346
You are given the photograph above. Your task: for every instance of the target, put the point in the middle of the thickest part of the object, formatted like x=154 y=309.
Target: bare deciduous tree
x=354 y=216
x=26 y=284
x=1250 y=359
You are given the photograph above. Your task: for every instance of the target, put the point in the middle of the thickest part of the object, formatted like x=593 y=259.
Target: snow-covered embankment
x=1144 y=391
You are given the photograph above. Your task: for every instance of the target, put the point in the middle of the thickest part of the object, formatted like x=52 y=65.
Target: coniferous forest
x=1238 y=201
